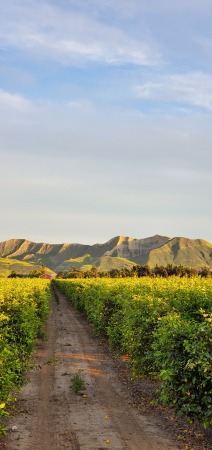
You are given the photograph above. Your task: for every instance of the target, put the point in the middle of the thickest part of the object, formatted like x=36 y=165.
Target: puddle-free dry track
x=52 y=416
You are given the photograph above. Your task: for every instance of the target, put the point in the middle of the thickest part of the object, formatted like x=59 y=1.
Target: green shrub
x=164 y=325
x=184 y=360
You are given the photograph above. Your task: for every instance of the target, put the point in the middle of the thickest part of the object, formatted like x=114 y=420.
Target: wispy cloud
x=72 y=36
x=14 y=101
x=193 y=89
x=94 y=138
x=133 y=6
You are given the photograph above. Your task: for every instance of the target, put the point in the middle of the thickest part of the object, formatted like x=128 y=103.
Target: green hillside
x=86 y=262
x=8 y=265
x=77 y=263
x=182 y=251
x=107 y=263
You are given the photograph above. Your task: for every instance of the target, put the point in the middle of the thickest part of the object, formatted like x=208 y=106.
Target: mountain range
x=119 y=252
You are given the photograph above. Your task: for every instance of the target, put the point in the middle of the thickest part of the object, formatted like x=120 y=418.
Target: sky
x=105 y=119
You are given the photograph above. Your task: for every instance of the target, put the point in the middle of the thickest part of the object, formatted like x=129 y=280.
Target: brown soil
x=114 y=412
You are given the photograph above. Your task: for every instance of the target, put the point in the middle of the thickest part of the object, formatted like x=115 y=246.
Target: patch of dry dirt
x=50 y=415
x=143 y=394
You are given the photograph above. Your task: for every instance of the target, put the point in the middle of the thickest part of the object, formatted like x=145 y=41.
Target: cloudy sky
x=105 y=119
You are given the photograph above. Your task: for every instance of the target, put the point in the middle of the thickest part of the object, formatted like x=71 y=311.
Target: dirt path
x=52 y=416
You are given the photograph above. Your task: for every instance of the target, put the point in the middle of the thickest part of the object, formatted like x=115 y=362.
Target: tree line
x=138 y=271
x=35 y=273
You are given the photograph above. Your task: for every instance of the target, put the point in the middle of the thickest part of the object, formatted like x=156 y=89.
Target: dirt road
x=52 y=416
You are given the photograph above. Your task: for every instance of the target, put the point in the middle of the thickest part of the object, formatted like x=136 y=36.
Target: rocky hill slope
x=160 y=250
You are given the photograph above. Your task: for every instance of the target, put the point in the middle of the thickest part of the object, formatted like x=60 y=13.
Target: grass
x=51 y=361
x=9 y=264
x=78 y=383
x=104 y=263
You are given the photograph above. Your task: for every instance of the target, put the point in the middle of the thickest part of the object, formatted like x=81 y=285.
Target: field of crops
x=164 y=325
x=24 y=306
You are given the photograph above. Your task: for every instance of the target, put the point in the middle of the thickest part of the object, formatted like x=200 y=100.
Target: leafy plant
x=24 y=306
x=183 y=354
x=78 y=383
x=163 y=325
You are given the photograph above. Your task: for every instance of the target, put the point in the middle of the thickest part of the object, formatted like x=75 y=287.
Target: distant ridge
x=118 y=252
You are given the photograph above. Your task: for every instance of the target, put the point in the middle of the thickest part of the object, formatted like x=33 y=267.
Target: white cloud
x=89 y=180
x=14 y=101
x=193 y=89
x=91 y=160
x=131 y=7
x=71 y=36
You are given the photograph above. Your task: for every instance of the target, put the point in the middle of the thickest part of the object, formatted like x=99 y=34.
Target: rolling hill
x=7 y=265
x=104 y=263
x=119 y=252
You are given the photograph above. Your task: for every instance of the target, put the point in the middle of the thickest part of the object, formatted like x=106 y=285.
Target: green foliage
x=183 y=355
x=78 y=383
x=163 y=324
x=15 y=274
x=12 y=268
x=24 y=305
x=111 y=267
x=36 y=273
x=51 y=361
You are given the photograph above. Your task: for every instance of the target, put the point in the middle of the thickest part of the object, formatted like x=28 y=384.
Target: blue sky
x=105 y=119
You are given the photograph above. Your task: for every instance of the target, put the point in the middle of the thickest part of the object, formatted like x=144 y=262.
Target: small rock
x=14 y=428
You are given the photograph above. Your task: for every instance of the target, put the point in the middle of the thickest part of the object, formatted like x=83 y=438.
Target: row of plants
x=164 y=325
x=139 y=271
x=24 y=306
